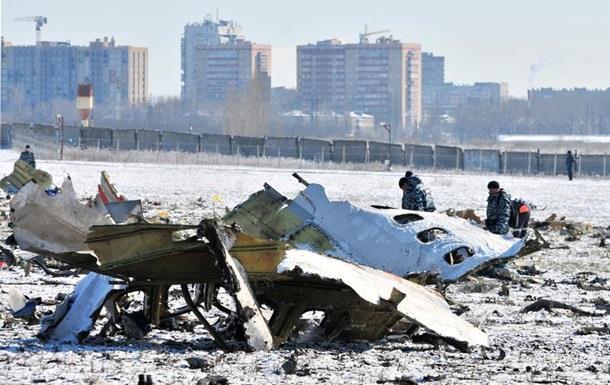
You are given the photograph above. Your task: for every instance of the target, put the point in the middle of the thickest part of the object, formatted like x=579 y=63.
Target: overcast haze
x=525 y=43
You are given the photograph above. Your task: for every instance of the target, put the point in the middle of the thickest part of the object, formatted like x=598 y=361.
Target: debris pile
x=268 y=255
x=290 y=272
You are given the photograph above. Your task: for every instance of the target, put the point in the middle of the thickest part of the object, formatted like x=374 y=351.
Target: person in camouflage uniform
x=28 y=156
x=414 y=195
x=498 y=209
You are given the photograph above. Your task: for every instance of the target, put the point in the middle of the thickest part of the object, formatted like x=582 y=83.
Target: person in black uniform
x=28 y=156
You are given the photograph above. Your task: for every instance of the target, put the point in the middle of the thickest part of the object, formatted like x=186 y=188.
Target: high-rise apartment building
x=321 y=76
x=433 y=69
x=50 y=71
x=382 y=79
x=217 y=60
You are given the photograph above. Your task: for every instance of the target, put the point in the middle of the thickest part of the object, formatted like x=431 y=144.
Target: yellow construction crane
x=364 y=37
x=39 y=20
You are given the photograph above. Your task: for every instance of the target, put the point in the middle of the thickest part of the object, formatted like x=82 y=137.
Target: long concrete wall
x=247 y=145
x=519 y=162
x=378 y=152
x=483 y=160
x=179 y=141
x=548 y=164
x=96 y=137
x=214 y=143
x=72 y=136
x=148 y=140
x=282 y=147
x=418 y=155
x=45 y=139
x=315 y=149
x=593 y=165
x=349 y=151
x=124 y=140
x=45 y=131
x=448 y=157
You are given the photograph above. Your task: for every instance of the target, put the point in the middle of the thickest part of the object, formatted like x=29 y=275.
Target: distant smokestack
x=84 y=102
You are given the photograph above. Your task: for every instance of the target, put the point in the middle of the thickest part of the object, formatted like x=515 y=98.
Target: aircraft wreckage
x=275 y=258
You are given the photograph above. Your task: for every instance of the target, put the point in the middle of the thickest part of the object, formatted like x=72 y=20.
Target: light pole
x=60 y=121
x=388 y=128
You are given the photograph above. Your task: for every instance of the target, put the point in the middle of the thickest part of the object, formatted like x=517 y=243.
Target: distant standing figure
x=570 y=160
x=498 y=209
x=28 y=156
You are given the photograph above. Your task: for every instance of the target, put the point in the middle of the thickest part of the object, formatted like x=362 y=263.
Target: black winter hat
x=493 y=184
x=408 y=174
x=402 y=182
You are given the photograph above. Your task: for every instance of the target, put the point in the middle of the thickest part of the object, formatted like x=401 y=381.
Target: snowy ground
x=540 y=347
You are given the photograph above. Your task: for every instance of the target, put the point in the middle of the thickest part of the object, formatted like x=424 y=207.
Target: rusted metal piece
x=155 y=253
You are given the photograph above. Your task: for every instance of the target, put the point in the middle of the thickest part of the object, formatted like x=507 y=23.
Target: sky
x=525 y=43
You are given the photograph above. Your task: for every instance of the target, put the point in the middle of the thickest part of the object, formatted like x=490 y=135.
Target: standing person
x=570 y=160
x=498 y=209
x=28 y=156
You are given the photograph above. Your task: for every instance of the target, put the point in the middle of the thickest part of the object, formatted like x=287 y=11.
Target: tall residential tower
x=381 y=78
x=217 y=60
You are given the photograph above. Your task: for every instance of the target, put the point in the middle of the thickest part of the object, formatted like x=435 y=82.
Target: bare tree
x=248 y=112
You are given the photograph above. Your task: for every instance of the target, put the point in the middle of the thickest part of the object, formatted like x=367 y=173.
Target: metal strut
x=189 y=301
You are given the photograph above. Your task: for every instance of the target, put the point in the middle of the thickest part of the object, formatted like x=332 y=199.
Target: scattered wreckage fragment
x=65 y=235
x=21 y=306
x=75 y=316
x=108 y=200
x=359 y=302
x=51 y=225
x=401 y=242
x=418 y=304
x=22 y=174
x=351 y=312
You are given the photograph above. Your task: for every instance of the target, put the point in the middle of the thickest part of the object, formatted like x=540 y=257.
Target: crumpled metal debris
x=414 y=302
x=21 y=306
x=75 y=317
x=402 y=242
x=66 y=235
x=108 y=200
x=51 y=225
x=298 y=261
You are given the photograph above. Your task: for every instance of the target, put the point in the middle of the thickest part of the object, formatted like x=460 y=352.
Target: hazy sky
x=526 y=43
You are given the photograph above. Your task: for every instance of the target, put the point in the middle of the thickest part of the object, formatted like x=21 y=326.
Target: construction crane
x=39 y=20
x=364 y=37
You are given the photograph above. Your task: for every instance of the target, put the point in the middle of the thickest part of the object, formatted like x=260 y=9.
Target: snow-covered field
x=540 y=347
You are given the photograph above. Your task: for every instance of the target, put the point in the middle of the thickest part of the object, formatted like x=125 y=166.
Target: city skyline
x=547 y=44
